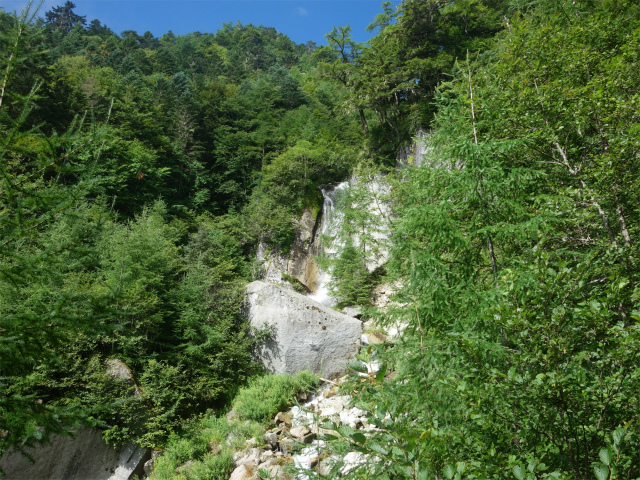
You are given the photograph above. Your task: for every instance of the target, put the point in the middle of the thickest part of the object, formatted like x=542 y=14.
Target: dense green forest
x=138 y=174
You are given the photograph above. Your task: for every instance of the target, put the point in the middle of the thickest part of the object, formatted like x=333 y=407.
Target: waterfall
x=329 y=244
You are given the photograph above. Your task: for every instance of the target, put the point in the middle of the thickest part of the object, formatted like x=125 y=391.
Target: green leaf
x=449 y=472
x=605 y=456
x=618 y=436
x=346 y=430
x=519 y=472
x=378 y=449
x=357 y=366
x=381 y=372
x=601 y=471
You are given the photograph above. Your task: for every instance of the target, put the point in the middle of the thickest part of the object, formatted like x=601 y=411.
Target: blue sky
x=302 y=20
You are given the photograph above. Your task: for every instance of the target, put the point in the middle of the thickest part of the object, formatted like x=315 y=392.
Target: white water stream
x=330 y=245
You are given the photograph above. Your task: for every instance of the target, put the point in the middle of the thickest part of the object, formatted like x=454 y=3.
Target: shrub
x=266 y=396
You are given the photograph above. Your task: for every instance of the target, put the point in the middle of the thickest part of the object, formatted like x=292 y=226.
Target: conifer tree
x=38 y=312
x=63 y=18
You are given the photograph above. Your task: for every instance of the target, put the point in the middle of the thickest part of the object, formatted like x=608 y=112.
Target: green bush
x=195 y=444
x=266 y=396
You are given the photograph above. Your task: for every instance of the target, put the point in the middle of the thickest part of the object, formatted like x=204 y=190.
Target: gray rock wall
x=306 y=334
x=413 y=155
x=299 y=263
x=85 y=457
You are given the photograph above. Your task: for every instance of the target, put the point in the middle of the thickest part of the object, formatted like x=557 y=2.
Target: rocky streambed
x=294 y=448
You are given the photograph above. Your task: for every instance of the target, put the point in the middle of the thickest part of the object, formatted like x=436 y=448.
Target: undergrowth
x=204 y=449
x=266 y=396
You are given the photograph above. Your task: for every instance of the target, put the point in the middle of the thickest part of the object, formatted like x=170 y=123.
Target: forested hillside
x=139 y=174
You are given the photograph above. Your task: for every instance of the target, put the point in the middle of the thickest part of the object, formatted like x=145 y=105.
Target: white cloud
x=302 y=11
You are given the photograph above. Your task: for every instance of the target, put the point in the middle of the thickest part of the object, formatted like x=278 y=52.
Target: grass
x=268 y=395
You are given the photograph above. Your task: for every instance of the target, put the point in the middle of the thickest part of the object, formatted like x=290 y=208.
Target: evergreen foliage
x=45 y=228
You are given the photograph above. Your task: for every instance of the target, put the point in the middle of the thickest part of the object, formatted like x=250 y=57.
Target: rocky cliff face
x=413 y=155
x=84 y=457
x=305 y=335
x=299 y=262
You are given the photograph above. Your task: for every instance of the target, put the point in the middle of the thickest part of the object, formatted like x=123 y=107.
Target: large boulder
x=305 y=335
x=86 y=456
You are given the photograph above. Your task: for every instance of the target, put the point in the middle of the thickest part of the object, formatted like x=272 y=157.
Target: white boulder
x=305 y=335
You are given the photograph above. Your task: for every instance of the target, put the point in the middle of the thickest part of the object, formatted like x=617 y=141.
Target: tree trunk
x=623 y=226
x=364 y=122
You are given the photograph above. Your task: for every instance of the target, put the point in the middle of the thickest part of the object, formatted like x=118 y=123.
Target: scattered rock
x=308 y=438
x=286 y=444
x=325 y=466
x=352 y=460
x=300 y=432
x=149 y=464
x=185 y=467
x=352 y=417
x=333 y=408
x=252 y=442
x=232 y=415
x=273 y=467
x=282 y=417
x=332 y=391
x=148 y=467
x=267 y=455
x=119 y=370
x=376 y=338
x=321 y=431
x=242 y=472
x=271 y=439
x=249 y=457
x=285 y=461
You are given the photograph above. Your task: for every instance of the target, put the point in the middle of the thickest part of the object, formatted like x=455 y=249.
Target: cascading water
x=330 y=245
